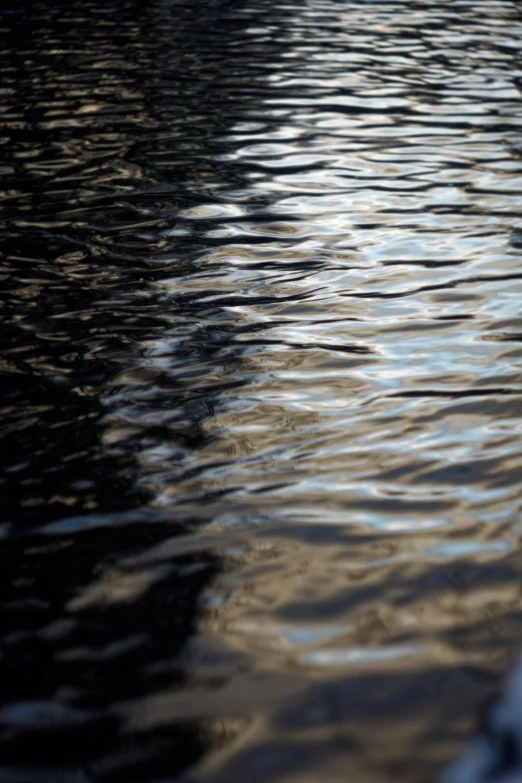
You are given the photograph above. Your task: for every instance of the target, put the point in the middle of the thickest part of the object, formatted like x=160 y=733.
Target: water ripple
x=262 y=385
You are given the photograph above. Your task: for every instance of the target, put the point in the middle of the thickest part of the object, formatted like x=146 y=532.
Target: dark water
x=261 y=386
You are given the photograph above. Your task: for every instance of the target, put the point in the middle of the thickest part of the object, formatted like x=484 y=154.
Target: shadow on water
x=110 y=110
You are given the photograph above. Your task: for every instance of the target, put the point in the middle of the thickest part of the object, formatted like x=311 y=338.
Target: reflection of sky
x=363 y=271
x=375 y=295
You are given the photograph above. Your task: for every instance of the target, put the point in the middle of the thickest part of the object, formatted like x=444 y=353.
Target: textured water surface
x=261 y=381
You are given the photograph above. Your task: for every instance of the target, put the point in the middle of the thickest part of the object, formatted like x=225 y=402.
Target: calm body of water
x=261 y=383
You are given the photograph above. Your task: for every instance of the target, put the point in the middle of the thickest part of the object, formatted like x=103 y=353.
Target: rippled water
x=261 y=386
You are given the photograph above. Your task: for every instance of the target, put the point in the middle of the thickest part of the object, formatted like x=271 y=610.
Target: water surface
x=262 y=386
